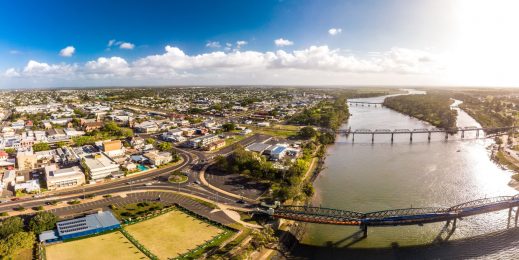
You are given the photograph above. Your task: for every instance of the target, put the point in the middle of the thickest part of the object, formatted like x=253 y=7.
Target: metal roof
x=94 y=221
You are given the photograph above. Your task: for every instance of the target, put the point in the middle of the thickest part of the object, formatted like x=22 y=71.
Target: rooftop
x=101 y=219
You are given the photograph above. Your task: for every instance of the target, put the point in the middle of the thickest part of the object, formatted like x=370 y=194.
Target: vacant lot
x=108 y=246
x=172 y=234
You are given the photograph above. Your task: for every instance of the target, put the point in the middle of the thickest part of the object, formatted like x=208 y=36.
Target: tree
x=326 y=138
x=42 y=221
x=229 y=126
x=150 y=141
x=14 y=243
x=41 y=147
x=10 y=226
x=307 y=132
x=165 y=146
x=10 y=150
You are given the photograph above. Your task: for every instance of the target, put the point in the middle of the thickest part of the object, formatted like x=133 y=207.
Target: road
x=157 y=178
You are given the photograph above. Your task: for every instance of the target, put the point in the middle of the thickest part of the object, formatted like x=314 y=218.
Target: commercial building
x=113 y=148
x=26 y=160
x=257 y=147
x=99 y=166
x=158 y=158
x=91 y=224
x=202 y=141
x=63 y=178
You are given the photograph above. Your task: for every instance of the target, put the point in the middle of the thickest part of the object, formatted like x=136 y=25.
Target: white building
x=28 y=186
x=63 y=178
x=99 y=166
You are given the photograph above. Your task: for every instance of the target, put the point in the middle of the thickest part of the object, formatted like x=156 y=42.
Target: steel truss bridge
x=398 y=217
x=428 y=131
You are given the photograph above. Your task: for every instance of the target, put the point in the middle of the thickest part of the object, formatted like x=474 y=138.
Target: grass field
x=172 y=234
x=108 y=246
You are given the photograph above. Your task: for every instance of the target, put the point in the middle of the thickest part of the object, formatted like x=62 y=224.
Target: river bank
x=368 y=177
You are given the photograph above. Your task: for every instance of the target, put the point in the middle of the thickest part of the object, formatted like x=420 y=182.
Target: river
x=361 y=176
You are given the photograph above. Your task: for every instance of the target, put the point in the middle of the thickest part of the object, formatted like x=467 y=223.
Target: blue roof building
x=91 y=224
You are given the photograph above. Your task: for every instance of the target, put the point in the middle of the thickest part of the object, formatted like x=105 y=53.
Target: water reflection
x=365 y=177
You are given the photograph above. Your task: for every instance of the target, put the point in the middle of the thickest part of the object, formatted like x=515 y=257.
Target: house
x=91 y=126
x=71 y=132
x=99 y=166
x=278 y=152
x=245 y=131
x=158 y=158
x=215 y=145
x=63 y=178
x=56 y=133
x=264 y=124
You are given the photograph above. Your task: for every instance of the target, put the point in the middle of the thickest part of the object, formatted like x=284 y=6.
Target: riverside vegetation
x=432 y=108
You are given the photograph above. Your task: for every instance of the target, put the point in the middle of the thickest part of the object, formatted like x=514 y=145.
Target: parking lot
x=167 y=198
x=237 y=184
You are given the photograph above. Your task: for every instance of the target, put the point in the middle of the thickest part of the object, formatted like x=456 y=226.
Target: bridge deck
x=409 y=216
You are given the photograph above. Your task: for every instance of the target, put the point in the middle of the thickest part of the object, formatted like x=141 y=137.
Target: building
x=113 y=148
x=91 y=224
x=99 y=166
x=28 y=186
x=215 y=145
x=26 y=160
x=202 y=141
x=63 y=178
x=158 y=158
x=278 y=152
x=147 y=127
x=257 y=147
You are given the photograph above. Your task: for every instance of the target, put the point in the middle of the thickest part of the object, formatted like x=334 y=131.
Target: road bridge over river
x=411 y=132
x=398 y=217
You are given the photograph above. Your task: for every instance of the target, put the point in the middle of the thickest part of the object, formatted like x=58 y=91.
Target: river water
x=361 y=176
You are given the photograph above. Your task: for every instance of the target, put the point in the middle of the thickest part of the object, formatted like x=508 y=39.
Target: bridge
x=427 y=131
x=363 y=103
x=398 y=217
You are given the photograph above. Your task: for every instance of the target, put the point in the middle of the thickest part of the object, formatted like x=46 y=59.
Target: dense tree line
x=328 y=114
x=432 y=108
x=489 y=111
x=16 y=236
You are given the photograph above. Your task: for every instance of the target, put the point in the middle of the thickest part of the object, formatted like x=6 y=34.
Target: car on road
x=148 y=184
x=197 y=182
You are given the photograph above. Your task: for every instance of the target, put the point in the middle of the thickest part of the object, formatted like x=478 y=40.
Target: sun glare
x=485 y=48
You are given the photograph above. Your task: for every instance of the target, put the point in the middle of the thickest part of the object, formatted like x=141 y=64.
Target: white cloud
x=127 y=46
x=14 y=52
x=42 y=69
x=67 y=51
x=334 y=31
x=11 y=73
x=213 y=45
x=239 y=44
x=282 y=42
x=301 y=66
x=111 y=43
x=106 y=67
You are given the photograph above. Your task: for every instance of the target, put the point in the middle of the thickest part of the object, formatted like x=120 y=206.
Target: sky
x=57 y=43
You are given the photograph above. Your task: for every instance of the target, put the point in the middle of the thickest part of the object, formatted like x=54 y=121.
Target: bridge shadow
x=502 y=244
x=351 y=240
x=447 y=230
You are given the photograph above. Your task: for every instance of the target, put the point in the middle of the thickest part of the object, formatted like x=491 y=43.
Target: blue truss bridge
x=398 y=217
